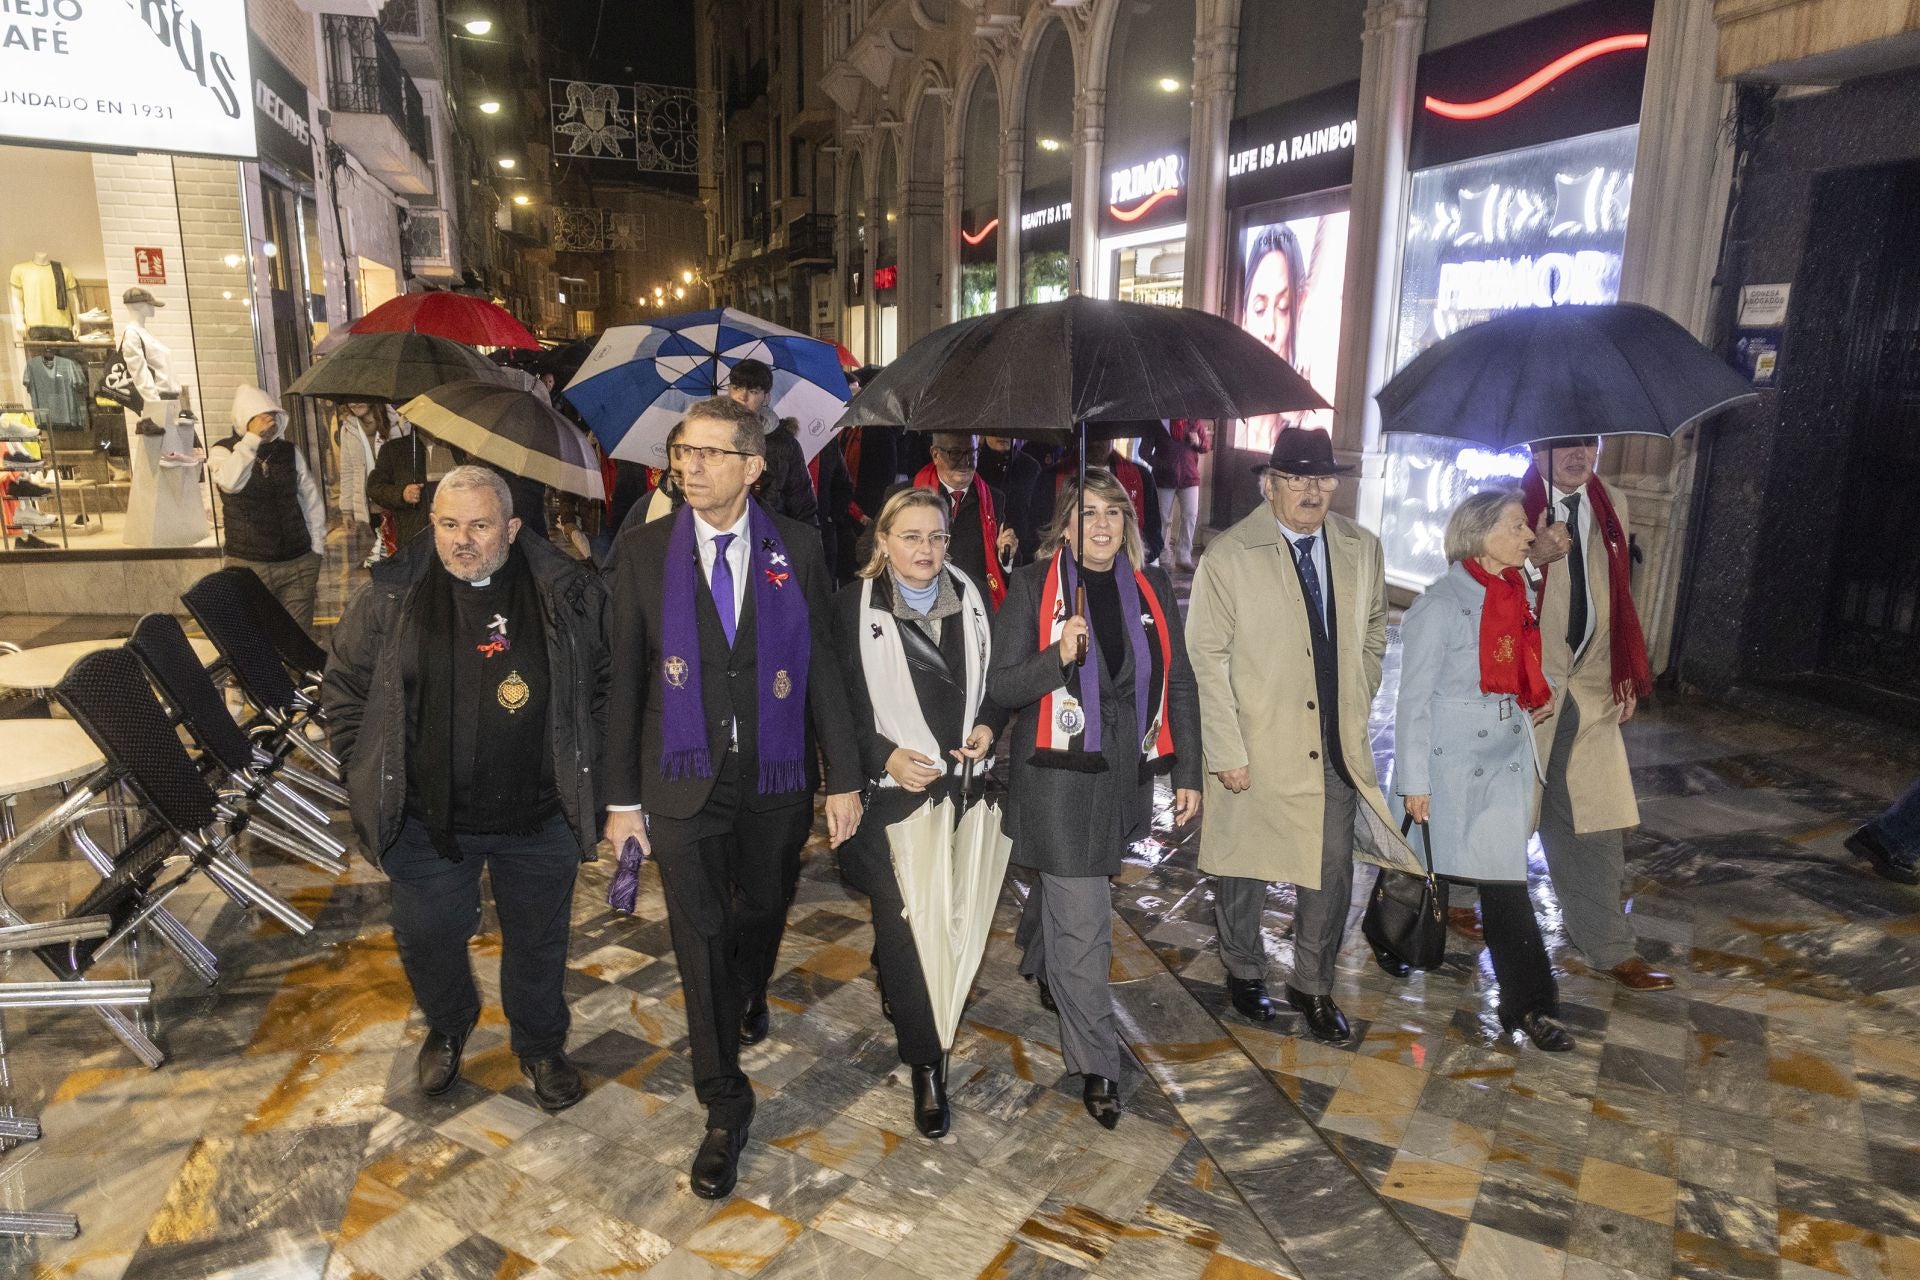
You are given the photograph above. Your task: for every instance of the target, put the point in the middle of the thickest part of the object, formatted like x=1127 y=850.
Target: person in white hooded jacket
x=274 y=516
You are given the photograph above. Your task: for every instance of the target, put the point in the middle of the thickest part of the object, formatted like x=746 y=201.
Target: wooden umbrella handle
x=1080 y=608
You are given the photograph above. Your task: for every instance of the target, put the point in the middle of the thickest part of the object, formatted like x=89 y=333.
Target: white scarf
x=883 y=657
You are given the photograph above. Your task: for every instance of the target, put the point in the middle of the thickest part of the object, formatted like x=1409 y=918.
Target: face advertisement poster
x=127 y=75
x=1291 y=273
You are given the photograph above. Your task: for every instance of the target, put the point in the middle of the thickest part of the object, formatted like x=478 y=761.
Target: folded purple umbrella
x=625 y=889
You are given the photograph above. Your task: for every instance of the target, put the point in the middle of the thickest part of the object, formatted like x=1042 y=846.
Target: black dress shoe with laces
x=931 y=1115
x=556 y=1082
x=716 y=1165
x=1102 y=1098
x=1324 y=1019
x=1545 y=1033
x=438 y=1067
x=754 y=1020
x=1250 y=998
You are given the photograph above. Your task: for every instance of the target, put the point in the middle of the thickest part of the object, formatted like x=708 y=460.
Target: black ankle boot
x=1102 y=1098
x=931 y=1115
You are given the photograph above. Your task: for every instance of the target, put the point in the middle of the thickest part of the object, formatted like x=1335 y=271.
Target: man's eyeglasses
x=1300 y=484
x=709 y=456
x=959 y=455
x=915 y=541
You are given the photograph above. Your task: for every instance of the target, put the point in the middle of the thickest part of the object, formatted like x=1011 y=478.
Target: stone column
x=1216 y=50
x=1013 y=168
x=949 y=251
x=1682 y=172
x=1089 y=154
x=1389 y=61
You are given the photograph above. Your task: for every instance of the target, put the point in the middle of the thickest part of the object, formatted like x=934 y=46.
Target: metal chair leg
x=52 y=1226
x=294 y=847
x=326 y=788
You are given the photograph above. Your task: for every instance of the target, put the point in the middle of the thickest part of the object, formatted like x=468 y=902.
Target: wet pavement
x=1763 y=1120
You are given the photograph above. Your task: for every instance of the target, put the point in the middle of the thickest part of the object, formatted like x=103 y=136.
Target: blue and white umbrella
x=640 y=379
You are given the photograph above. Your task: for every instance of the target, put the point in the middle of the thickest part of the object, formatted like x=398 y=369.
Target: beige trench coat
x=1253 y=659
x=1598 y=780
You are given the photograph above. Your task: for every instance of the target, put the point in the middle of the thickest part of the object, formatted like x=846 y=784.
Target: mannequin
x=45 y=297
x=166 y=506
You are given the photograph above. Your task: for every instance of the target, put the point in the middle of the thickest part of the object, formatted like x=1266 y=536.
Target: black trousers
x=1519 y=953
x=436 y=910
x=729 y=874
x=866 y=864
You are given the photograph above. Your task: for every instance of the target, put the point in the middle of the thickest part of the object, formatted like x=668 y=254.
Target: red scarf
x=1509 y=639
x=929 y=478
x=1627 y=647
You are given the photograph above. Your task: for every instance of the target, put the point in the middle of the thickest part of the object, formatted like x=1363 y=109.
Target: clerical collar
x=480 y=582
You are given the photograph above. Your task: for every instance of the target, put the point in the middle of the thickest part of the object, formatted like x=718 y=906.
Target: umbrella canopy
x=949 y=881
x=515 y=430
x=393 y=366
x=1611 y=370
x=1044 y=368
x=459 y=316
x=640 y=379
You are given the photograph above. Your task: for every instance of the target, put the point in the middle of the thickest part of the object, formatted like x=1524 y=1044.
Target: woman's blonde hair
x=1473 y=520
x=1101 y=484
x=896 y=506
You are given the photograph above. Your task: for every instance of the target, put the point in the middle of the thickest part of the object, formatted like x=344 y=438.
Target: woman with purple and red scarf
x=725 y=694
x=1087 y=742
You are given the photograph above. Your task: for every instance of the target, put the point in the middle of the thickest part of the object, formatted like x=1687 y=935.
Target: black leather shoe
x=754 y=1021
x=1323 y=1016
x=1102 y=1097
x=556 y=1082
x=1863 y=843
x=438 y=1068
x=716 y=1166
x=1046 y=995
x=1545 y=1033
x=1250 y=998
x=1392 y=964
x=148 y=427
x=931 y=1115
x=886 y=1005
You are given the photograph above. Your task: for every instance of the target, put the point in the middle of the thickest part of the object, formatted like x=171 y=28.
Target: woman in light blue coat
x=1471 y=686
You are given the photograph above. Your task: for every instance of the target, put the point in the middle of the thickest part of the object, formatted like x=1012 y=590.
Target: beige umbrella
x=515 y=430
x=950 y=880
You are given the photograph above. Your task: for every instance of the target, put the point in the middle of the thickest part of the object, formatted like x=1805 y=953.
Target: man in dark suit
x=872 y=457
x=1011 y=470
x=725 y=693
x=976 y=513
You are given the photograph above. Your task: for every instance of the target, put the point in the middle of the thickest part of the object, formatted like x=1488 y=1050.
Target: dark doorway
x=1858 y=322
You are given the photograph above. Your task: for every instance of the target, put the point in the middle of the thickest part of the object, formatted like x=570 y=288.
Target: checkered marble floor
x=1761 y=1121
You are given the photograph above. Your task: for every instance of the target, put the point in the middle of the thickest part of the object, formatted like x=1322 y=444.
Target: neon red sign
x=1537 y=81
x=980 y=236
x=886 y=277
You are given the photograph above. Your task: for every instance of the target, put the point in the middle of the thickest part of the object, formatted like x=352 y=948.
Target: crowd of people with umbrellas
x=791 y=596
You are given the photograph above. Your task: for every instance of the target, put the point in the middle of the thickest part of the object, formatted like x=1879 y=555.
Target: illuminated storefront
x=1143 y=191
x=979 y=229
x=1046 y=174
x=1523 y=153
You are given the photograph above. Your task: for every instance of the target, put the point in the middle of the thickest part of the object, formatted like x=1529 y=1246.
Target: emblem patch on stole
x=1070 y=718
x=675 y=670
x=782 y=685
x=513 y=692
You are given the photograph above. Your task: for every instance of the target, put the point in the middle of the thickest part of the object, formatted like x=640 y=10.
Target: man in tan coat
x=1286 y=628
x=1595 y=657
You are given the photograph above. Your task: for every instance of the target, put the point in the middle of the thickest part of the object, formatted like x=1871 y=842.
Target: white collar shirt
x=739 y=555
x=1580 y=529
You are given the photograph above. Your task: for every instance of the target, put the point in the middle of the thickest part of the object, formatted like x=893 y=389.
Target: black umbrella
x=395 y=367
x=1053 y=367
x=1548 y=372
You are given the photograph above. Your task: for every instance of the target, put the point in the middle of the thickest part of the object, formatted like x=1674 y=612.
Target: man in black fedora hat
x=1286 y=628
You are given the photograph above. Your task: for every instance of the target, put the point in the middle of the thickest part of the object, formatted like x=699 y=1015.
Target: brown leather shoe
x=1636 y=974
x=1465 y=921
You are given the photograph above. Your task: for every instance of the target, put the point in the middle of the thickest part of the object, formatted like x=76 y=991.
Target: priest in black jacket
x=725 y=694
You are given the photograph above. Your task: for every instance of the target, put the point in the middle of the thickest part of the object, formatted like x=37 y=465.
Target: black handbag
x=1407 y=915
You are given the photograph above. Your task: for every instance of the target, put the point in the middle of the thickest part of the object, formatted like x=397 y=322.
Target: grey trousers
x=295 y=583
x=1066 y=929
x=1586 y=868
x=1319 y=915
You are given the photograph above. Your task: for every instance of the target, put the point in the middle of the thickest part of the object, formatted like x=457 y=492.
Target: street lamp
x=679 y=292
x=1049 y=144
x=478 y=26
x=490 y=106
x=1169 y=85
x=523 y=199
x=508 y=163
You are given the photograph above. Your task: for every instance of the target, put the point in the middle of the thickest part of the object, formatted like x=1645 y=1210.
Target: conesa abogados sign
x=128 y=75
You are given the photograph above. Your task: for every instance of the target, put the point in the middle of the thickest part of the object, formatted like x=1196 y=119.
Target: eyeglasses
x=915 y=541
x=959 y=455
x=708 y=455
x=1300 y=484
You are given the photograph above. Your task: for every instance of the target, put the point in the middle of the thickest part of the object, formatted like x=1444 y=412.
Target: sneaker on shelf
x=30 y=543
x=14 y=428
x=24 y=487
x=19 y=459
x=34 y=519
x=93 y=315
x=174 y=458
x=97 y=335
x=148 y=427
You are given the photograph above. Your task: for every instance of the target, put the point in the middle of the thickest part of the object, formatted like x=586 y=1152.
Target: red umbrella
x=459 y=316
x=848 y=360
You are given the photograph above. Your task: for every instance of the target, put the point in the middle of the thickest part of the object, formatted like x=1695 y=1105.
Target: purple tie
x=722 y=584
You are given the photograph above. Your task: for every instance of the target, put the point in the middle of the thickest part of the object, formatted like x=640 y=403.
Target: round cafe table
x=41 y=753
x=39 y=669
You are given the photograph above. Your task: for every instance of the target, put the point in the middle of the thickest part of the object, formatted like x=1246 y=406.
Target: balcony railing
x=364 y=74
x=810 y=238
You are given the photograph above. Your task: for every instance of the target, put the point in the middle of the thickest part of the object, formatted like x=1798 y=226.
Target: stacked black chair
x=108 y=695
x=300 y=652
x=218 y=603
x=281 y=816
